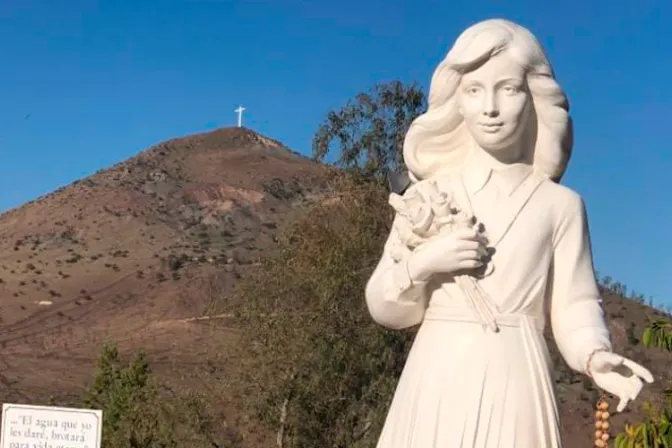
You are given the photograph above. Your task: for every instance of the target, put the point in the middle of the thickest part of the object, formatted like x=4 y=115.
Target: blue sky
x=85 y=84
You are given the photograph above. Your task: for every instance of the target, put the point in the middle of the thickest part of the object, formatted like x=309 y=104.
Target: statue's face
x=495 y=103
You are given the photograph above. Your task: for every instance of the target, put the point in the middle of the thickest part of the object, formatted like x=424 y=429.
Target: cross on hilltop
x=240 y=115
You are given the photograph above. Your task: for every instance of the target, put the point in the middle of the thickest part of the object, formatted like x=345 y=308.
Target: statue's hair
x=438 y=138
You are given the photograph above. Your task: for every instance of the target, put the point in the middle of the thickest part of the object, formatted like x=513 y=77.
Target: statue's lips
x=490 y=127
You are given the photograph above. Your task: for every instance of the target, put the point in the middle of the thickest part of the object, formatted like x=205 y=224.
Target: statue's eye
x=510 y=89
x=473 y=90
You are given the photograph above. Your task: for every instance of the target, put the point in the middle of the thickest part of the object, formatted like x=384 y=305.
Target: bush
x=322 y=372
x=139 y=412
x=656 y=432
x=132 y=413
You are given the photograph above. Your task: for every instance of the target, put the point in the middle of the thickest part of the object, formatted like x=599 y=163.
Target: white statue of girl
x=497 y=135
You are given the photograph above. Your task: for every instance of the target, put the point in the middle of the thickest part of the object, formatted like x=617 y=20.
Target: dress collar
x=476 y=174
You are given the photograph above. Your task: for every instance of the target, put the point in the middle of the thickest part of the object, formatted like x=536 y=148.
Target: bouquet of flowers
x=426 y=211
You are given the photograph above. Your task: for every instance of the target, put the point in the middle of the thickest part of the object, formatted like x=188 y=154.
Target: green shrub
x=322 y=372
x=139 y=412
x=656 y=432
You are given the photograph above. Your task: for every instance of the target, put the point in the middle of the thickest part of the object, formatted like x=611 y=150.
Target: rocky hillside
x=127 y=253
x=137 y=253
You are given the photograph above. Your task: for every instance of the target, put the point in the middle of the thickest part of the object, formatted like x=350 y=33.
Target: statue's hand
x=619 y=376
x=448 y=253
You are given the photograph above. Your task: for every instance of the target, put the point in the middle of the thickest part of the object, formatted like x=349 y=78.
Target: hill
x=122 y=254
x=139 y=253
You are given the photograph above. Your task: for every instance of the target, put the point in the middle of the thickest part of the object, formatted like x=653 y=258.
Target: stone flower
x=425 y=211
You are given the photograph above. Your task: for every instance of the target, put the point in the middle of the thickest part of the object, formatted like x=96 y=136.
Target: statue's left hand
x=619 y=376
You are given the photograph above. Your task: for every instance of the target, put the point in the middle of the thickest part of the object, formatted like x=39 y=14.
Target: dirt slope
x=132 y=253
x=114 y=255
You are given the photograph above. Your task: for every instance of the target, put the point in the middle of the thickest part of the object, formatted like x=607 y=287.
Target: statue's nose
x=490 y=108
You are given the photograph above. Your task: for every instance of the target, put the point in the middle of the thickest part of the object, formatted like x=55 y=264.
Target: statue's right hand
x=456 y=251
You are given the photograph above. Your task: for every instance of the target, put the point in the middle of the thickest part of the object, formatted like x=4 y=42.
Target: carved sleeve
x=577 y=317
x=394 y=300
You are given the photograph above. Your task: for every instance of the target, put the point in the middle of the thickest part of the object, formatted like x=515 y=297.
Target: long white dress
x=463 y=385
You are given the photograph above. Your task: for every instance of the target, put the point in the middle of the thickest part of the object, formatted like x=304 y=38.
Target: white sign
x=26 y=426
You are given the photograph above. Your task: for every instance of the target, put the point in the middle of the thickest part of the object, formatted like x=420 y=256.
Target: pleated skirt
x=465 y=386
